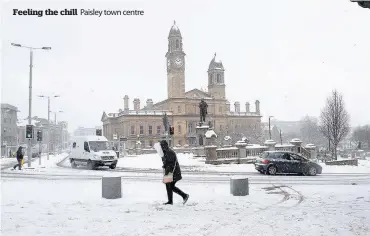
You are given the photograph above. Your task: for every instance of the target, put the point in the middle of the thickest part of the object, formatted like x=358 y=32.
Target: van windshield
x=97 y=146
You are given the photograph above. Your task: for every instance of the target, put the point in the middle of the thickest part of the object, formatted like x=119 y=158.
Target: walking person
x=172 y=173
x=19 y=158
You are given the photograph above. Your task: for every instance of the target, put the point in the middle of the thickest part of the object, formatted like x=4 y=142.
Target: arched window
x=179 y=109
x=177 y=44
x=218 y=78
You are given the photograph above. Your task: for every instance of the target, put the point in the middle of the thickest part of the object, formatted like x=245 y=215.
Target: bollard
x=111 y=187
x=239 y=186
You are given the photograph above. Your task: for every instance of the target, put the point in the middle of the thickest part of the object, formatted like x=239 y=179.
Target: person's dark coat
x=169 y=159
x=19 y=153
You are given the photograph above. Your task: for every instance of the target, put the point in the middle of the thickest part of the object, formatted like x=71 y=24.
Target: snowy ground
x=75 y=208
x=48 y=200
x=189 y=163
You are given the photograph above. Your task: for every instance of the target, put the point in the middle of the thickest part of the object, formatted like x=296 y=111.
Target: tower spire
x=174 y=22
x=215 y=55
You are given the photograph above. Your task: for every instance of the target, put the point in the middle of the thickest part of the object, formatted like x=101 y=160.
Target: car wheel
x=272 y=170
x=73 y=164
x=112 y=167
x=90 y=165
x=312 y=171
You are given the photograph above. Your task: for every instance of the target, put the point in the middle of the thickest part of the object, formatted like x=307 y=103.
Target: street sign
x=115 y=136
x=122 y=139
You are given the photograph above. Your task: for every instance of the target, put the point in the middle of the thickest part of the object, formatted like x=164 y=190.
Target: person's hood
x=164 y=145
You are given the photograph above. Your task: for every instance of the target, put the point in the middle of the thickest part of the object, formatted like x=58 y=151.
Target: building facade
x=9 y=133
x=59 y=136
x=145 y=123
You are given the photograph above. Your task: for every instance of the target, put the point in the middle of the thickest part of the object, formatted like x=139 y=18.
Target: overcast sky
x=288 y=54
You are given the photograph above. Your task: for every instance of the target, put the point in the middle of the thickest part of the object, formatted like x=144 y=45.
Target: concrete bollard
x=239 y=186
x=111 y=187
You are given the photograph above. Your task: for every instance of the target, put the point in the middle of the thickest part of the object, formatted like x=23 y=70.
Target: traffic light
x=172 y=130
x=29 y=131
x=39 y=136
x=98 y=132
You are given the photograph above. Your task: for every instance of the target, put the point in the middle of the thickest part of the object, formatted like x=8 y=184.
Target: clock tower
x=175 y=64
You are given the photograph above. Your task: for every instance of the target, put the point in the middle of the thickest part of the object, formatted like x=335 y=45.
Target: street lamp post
x=270 y=126
x=48 y=141
x=30 y=94
x=55 y=121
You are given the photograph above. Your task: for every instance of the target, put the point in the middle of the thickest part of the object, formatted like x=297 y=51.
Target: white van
x=92 y=151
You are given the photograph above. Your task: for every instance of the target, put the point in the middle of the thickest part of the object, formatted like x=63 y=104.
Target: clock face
x=178 y=62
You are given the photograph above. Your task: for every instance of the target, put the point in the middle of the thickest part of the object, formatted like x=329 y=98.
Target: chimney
x=136 y=104
x=125 y=102
x=247 y=107
x=257 y=107
x=237 y=107
x=149 y=104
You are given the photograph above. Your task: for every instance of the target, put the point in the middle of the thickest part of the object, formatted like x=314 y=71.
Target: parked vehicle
x=273 y=162
x=92 y=151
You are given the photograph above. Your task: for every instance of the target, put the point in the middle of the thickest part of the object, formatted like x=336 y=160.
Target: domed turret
x=215 y=64
x=216 y=79
x=174 y=31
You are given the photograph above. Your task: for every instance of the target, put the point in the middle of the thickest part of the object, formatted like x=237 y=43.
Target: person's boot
x=186 y=198
x=168 y=203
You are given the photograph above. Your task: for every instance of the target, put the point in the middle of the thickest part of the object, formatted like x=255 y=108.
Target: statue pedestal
x=201 y=131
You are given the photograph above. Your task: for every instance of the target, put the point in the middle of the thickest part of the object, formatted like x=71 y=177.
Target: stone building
x=145 y=123
x=9 y=135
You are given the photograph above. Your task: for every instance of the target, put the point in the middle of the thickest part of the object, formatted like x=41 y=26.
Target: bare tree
x=310 y=131
x=334 y=120
x=362 y=135
x=255 y=133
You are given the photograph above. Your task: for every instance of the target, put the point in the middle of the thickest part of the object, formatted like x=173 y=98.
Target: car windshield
x=97 y=146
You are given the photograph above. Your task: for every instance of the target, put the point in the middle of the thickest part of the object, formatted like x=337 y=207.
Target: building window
x=177 y=44
x=190 y=128
x=210 y=79
x=179 y=109
x=141 y=130
x=132 y=129
x=150 y=130
x=218 y=78
x=150 y=143
x=179 y=129
x=158 y=129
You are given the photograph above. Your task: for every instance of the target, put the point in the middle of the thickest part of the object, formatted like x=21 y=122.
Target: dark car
x=273 y=162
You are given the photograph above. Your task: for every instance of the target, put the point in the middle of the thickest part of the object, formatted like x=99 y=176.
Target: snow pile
x=363 y=167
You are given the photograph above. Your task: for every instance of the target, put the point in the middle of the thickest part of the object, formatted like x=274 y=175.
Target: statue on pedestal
x=203 y=110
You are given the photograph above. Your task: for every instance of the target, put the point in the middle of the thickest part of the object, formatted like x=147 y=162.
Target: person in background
x=171 y=165
x=19 y=155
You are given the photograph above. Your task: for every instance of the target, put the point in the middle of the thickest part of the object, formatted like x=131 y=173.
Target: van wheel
x=112 y=166
x=73 y=164
x=90 y=165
